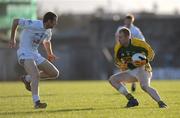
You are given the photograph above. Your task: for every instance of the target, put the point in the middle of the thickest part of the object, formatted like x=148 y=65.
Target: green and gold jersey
x=124 y=54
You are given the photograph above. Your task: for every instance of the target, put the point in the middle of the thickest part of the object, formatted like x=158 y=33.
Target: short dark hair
x=49 y=16
x=125 y=30
x=130 y=16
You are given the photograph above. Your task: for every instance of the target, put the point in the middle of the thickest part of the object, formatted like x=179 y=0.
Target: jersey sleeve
x=146 y=46
x=48 y=35
x=25 y=23
x=116 y=59
x=151 y=53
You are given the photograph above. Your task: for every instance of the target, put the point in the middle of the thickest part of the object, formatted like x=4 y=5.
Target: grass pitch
x=86 y=99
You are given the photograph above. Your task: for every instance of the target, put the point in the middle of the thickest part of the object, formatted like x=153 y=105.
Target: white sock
x=122 y=89
x=35 y=98
x=28 y=78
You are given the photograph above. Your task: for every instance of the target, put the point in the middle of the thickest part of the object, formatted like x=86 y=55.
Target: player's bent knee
x=144 y=88
x=35 y=76
x=111 y=79
x=55 y=74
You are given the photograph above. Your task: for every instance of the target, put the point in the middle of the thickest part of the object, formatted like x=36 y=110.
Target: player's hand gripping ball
x=122 y=66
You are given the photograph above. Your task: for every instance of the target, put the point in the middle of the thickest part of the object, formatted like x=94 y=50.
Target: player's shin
x=131 y=100
x=120 y=87
x=152 y=92
x=35 y=89
x=123 y=90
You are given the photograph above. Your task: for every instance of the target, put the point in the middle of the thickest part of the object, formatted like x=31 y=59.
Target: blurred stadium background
x=84 y=36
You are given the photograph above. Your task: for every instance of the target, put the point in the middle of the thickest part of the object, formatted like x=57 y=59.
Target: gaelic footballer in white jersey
x=35 y=32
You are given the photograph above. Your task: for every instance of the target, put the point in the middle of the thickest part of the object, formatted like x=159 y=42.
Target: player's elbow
x=151 y=58
x=46 y=43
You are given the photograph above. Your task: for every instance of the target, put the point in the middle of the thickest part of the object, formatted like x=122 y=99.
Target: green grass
x=84 y=99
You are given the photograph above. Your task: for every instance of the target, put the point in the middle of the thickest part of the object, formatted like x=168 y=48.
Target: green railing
x=16 y=9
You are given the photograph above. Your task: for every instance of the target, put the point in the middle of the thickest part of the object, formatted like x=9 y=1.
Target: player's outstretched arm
x=12 y=42
x=48 y=48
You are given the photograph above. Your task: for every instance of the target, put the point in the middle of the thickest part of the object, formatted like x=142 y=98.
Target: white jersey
x=32 y=35
x=135 y=32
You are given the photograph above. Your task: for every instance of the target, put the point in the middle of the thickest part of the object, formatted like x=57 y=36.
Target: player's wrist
x=50 y=54
x=123 y=66
x=147 y=61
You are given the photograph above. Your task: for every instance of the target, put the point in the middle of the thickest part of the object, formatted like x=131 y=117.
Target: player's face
x=128 y=22
x=52 y=23
x=123 y=39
